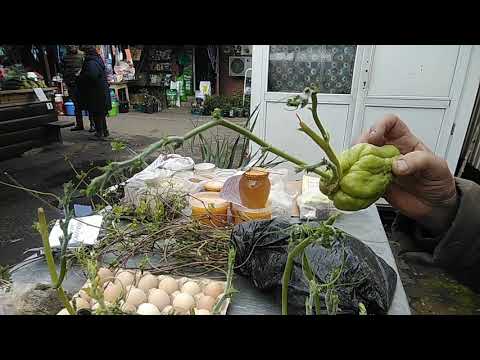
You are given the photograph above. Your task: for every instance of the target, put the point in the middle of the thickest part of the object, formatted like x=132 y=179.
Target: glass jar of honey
x=254 y=188
x=209 y=208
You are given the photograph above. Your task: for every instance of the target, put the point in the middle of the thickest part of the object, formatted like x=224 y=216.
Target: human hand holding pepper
x=423 y=187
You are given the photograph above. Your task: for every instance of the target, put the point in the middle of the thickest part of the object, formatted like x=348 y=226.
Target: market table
x=365 y=225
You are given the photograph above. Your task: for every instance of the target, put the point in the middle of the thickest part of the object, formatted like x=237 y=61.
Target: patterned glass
x=328 y=67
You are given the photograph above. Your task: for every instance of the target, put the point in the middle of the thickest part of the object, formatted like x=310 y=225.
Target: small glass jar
x=254 y=188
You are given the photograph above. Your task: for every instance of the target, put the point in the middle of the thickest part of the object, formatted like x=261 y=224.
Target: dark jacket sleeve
x=457 y=250
x=91 y=73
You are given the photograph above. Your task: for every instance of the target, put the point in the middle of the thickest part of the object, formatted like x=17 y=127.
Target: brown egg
x=168 y=284
x=159 y=298
x=136 y=297
x=214 y=289
x=105 y=275
x=184 y=301
x=113 y=292
x=148 y=282
x=125 y=278
x=191 y=287
x=206 y=303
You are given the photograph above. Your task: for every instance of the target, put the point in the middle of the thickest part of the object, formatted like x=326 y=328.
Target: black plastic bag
x=262 y=250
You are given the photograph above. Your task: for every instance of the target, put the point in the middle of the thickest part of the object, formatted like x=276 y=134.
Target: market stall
x=175 y=237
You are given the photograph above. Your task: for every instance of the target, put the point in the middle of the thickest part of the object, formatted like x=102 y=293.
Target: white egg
x=63 y=312
x=206 y=303
x=96 y=306
x=128 y=308
x=168 y=310
x=81 y=303
x=148 y=282
x=214 y=289
x=148 y=309
x=136 y=297
x=105 y=275
x=125 y=278
x=184 y=301
x=159 y=298
x=169 y=285
x=191 y=287
x=161 y=277
x=202 y=312
x=113 y=292
x=175 y=293
x=83 y=294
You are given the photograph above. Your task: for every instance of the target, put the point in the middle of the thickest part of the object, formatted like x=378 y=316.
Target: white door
x=431 y=87
x=282 y=71
x=423 y=85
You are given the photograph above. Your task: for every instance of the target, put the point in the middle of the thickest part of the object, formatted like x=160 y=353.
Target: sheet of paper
x=84 y=230
x=40 y=94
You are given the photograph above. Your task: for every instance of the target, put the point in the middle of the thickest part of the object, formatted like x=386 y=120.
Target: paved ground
x=430 y=290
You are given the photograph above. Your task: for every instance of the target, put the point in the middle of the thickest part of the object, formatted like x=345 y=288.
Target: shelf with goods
x=158 y=71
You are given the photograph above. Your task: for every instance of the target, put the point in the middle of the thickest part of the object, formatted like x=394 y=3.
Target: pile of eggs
x=147 y=294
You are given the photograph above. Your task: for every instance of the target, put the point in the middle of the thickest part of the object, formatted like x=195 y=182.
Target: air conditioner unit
x=238 y=65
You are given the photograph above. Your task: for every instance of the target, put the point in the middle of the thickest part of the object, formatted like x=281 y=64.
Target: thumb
x=416 y=161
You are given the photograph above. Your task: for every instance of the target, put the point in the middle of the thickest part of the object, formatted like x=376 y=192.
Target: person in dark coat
x=72 y=64
x=94 y=92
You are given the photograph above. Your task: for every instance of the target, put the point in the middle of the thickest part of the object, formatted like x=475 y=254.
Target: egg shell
x=113 y=292
x=81 y=303
x=168 y=284
x=125 y=278
x=168 y=310
x=174 y=294
x=83 y=294
x=136 y=297
x=184 y=301
x=148 y=309
x=182 y=281
x=192 y=288
x=128 y=308
x=202 y=312
x=161 y=277
x=198 y=297
x=148 y=282
x=206 y=303
x=63 y=312
x=159 y=298
x=214 y=289
x=105 y=275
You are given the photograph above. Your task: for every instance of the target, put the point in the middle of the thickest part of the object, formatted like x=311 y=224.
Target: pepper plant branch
x=313 y=109
x=114 y=167
x=324 y=145
x=43 y=230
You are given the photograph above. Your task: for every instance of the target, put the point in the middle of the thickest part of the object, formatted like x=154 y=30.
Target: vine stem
x=43 y=229
x=98 y=182
x=287 y=273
